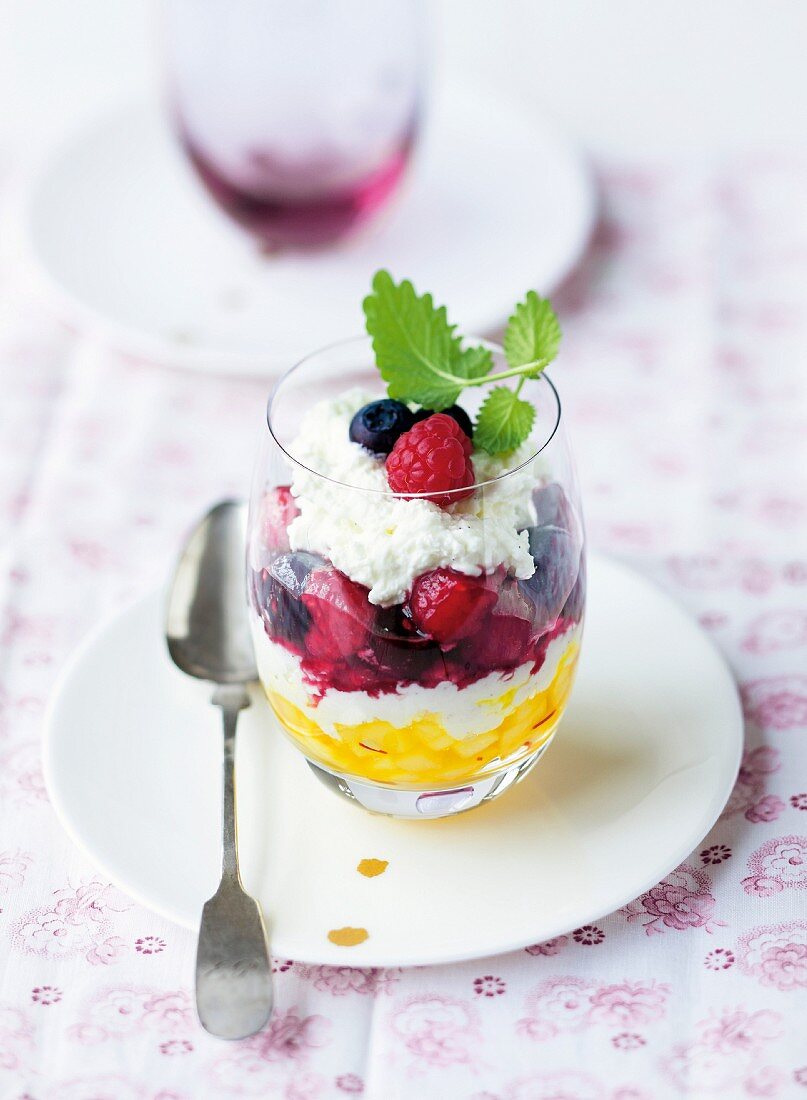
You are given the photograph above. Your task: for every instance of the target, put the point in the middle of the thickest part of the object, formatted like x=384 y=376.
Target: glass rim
x=460 y=493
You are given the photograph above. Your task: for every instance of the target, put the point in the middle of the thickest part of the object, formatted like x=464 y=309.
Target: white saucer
x=639 y=771
x=122 y=237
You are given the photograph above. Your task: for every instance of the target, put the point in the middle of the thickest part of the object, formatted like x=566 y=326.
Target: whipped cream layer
x=463 y=712
x=385 y=542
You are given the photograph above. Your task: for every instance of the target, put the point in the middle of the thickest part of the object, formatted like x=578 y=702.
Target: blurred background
x=438 y=138
x=619 y=75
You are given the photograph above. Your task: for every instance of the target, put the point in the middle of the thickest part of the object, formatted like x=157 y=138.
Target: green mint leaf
x=504 y=421
x=473 y=363
x=416 y=350
x=533 y=334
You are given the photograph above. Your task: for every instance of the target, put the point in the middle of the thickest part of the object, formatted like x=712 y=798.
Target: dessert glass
x=395 y=719
x=299 y=118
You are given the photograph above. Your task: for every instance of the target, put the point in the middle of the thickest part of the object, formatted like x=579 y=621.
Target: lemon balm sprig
x=423 y=361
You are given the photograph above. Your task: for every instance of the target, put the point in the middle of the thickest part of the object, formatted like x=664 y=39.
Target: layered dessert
x=418 y=641
x=416 y=568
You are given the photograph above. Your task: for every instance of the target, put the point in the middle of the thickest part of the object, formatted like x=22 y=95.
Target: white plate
x=640 y=769
x=122 y=237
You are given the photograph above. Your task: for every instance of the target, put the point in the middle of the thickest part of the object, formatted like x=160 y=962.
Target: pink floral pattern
x=104 y=952
x=757 y=765
x=342 y=980
x=107 y=460
x=13 y=867
x=557 y=1005
x=725 y=1054
x=629 y=1004
x=489 y=986
x=777 y=865
x=121 y=1011
x=568 y=1084
x=722 y=958
x=16 y=1039
x=716 y=854
x=46 y=995
x=21 y=780
x=768 y=808
x=589 y=935
x=350 y=1083
x=101 y=1086
x=765 y=1082
x=176 y=1046
x=149 y=945
x=572 y=1004
x=256 y=1065
x=628 y=1040
x=436 y=1031
x=738 y=1031
x=549 y=947
x=776 y=955
x=777 y=630
x=77 y=922
x=682 y=901
x=777 y=703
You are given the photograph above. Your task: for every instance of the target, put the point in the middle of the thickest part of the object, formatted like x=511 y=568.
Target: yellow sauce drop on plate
x=347 y=937
x=372 y=867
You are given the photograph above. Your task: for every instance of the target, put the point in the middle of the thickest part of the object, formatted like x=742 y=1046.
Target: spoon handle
x=233 y=968
x=232 y=701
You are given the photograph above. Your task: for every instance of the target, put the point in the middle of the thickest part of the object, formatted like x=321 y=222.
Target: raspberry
x=504 y=642
x=277 y=509
x=432 y=457
x=450 y=606
x=340 y=615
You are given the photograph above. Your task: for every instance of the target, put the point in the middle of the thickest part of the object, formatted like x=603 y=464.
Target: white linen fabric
x=682 y=374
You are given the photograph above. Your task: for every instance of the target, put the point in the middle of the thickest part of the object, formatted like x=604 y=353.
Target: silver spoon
x=208 y=637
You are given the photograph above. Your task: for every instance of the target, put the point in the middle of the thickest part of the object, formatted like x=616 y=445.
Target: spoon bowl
x=207 y=628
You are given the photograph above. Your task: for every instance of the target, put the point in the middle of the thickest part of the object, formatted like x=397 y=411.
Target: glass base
x=431 y=803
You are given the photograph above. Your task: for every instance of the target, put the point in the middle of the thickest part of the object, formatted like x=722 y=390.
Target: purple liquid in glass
x=291 y=207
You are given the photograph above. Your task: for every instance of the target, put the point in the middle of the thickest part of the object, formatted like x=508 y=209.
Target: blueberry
x=552 y=507
x=573 y=608
x=378 y=425
x=456 y=412
x=293 y=570
x=396 y=650
x=277 y=591
x=556 y=556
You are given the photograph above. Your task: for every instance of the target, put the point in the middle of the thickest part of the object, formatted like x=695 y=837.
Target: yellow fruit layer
x=424 y=753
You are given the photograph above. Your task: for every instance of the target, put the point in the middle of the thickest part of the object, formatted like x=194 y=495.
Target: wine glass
x=404 y=718
x=299 y=118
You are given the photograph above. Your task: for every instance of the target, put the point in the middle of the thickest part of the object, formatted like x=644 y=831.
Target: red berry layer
x=454 y=627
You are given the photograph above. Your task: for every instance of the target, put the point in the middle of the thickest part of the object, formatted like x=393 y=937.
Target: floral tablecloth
x=683 y=374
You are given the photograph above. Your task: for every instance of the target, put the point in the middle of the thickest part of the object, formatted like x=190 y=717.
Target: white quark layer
x=384 y=542
x=464 y=712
